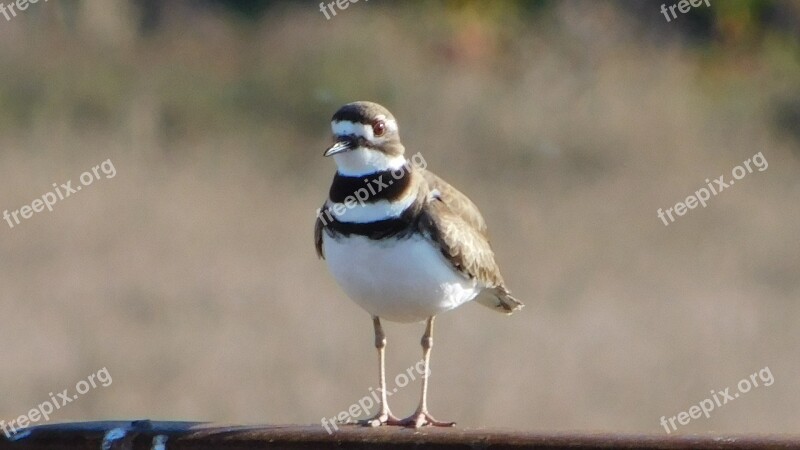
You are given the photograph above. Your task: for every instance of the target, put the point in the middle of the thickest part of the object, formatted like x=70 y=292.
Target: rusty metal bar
x=144 y=434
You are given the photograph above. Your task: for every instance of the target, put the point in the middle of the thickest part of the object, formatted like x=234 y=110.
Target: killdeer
x=400 y=241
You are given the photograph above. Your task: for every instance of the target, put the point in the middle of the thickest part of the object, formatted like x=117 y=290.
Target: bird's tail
x=499 y=299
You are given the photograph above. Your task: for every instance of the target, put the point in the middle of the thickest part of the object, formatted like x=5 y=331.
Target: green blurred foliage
x=87 y=82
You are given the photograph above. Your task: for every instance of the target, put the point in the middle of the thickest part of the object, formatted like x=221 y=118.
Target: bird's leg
x=422 y=417
x=384 y=416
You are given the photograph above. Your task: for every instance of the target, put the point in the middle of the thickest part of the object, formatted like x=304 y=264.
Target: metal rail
x=144 y=434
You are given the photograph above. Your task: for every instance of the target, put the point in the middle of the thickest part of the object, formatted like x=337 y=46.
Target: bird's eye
x=378 y=128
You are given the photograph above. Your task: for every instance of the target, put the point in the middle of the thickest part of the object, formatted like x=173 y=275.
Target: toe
x=422 y=419
x=384 y=418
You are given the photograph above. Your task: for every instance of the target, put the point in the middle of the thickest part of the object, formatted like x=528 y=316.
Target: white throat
x=364 y=161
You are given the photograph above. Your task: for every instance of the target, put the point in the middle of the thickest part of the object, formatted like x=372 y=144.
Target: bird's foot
x=422 y=419
x=382 y=418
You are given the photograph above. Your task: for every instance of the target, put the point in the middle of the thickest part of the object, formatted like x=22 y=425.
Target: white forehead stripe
x=347 y=128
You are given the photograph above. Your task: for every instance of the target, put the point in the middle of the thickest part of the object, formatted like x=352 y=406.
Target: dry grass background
x=192 y=277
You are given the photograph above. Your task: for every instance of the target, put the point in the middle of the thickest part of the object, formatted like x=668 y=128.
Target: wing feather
x=459 y=203
x=462 y=244
x=318 y=226
x=454 y=224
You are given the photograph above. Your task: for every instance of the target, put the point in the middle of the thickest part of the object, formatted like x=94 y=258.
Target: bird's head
x=366 y=139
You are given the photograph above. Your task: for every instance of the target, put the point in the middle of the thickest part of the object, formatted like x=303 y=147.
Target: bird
x=401 y=242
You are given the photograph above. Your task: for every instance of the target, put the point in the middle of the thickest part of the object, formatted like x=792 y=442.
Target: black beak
x=342 y=145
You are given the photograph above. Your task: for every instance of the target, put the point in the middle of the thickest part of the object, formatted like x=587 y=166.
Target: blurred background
x=191 y=275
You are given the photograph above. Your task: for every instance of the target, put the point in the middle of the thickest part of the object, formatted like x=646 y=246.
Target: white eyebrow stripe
x=347 y=128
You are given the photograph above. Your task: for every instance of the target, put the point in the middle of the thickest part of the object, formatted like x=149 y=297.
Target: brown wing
x=318 y=233
x=461 y=243
x=467 y=248
x=459 y=203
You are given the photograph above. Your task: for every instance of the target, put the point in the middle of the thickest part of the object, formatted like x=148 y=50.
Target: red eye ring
x=378 y=128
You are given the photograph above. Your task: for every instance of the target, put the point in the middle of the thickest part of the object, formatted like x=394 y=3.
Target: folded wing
x=453 y=223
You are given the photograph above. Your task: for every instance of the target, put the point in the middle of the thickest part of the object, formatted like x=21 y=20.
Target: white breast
x=402 y=280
